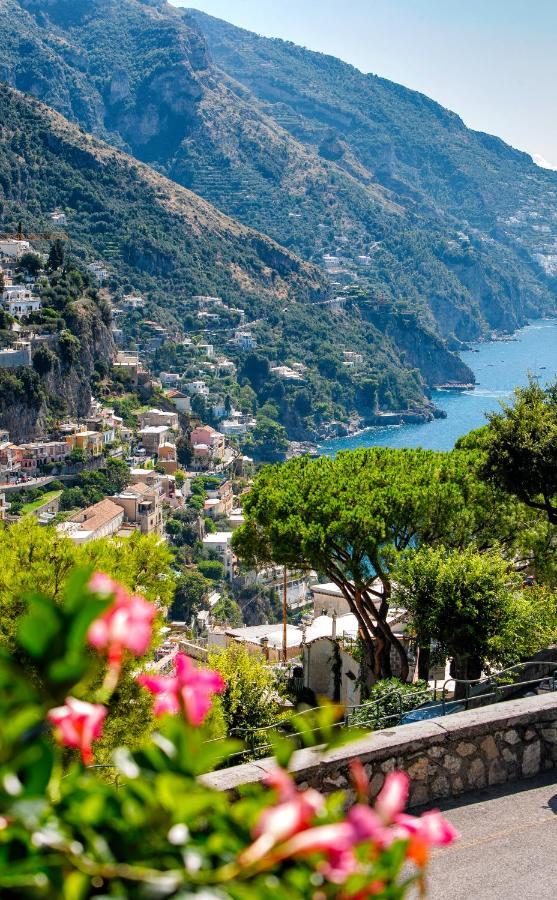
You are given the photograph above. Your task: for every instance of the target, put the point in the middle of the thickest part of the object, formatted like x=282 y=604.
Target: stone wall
x=444 y=757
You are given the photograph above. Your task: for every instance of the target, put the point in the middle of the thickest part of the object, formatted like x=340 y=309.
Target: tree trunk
x=386 y=667
x=466 y=668
x=424 y=661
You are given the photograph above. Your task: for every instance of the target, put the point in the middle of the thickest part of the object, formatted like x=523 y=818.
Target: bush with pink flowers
x=147 y=826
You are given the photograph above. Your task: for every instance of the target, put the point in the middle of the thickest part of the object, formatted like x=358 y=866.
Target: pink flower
x=294 y=812
x=392 y=797
x=189 y=689
x=431 y=827
x=77 y=725
x=125 y=625
x=337 y=841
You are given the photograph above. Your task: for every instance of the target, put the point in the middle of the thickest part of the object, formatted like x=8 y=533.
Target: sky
x=494 y=62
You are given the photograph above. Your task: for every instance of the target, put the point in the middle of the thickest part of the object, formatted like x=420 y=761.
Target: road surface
x=508 y=844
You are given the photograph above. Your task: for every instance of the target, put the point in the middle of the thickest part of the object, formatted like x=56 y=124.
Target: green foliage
x=462 y=600
x=33 y=558
x=521 y=448
x=267 y=442
x=350 y=517
x=388 y=700
x=94 y=486
x=250 y=700
x=30 y=263
x=211 y=568
x=190 y=595
x=146 y=824
x=56 y=255
x=44 y=360
x=228 y=612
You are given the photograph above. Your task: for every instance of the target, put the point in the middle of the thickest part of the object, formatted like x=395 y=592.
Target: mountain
x=160 y=238
x=432 y=234
x=457 y=226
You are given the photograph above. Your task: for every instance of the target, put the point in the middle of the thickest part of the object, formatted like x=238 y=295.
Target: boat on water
x=454 y=386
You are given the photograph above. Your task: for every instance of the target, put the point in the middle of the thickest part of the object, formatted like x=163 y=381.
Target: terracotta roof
x=94 y=517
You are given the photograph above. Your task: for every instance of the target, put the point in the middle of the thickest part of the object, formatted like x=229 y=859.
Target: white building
x=103 y=519
x=286 y=373
x=206 y=350
x=14 y=248
x=170 y=379
x=98 y=270
x=57 y=217
x=181 y=401
x=19 y=301
x=245 y=340
x=197 y=387
x=133 y=301
x=220 y=542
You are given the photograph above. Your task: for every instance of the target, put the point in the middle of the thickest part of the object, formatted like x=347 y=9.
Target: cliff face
x=29 y=403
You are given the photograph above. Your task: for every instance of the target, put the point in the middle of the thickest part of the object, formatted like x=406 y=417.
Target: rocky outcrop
x=66 y=389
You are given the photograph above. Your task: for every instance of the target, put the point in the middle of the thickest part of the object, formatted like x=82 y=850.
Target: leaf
x=283 y=748
x=21 y=721
x=90 y=610
x=39 y=627
x=76 y=886
x=76 y=589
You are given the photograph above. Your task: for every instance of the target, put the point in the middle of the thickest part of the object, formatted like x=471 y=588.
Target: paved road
x=508 y=845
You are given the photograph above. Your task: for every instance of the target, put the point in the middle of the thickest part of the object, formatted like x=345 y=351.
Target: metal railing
x=495 y=687
x=386 y=710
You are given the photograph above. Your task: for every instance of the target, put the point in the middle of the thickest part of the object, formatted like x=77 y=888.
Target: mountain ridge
x=345 y=170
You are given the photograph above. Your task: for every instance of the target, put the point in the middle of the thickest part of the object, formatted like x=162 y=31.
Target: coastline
x=499 y=365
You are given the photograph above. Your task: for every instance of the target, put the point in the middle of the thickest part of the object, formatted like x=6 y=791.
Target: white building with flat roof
x=13 y=248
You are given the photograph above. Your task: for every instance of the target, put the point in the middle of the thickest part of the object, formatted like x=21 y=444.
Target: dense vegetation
x=153 y=90
x=303 y=147
x=437 y=534
x=184 y=247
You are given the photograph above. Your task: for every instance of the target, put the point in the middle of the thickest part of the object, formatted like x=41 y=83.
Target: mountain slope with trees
x=306 y=149
x=162 y=239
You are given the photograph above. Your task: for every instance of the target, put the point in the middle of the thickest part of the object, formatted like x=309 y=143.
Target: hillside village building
x=207 y=445
x=142 y=507
x=152 y=437
x=41 y=453
x=220 y=544
x=160 y=417
x=19 y=301
x=98 y=270
x=181 y=401
x=101 y=520
x=197 y=387
x=13 y=249
x=220 y=500
x=18 y=355
x=84 y=439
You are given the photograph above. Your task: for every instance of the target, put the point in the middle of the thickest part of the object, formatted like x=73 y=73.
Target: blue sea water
x=499 y=367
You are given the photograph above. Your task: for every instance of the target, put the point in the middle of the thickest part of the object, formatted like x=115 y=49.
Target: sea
x=499 y=367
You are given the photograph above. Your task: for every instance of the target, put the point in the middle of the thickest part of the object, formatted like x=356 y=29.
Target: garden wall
x=444 y=757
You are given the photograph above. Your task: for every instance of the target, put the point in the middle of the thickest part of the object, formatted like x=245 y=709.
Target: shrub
x=388 y=701
x=211 y=568
x=147 y=826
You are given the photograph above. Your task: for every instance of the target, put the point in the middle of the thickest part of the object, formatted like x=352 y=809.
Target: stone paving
x=508 y=844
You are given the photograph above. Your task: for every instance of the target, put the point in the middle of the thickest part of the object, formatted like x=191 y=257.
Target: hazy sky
x=492 y=61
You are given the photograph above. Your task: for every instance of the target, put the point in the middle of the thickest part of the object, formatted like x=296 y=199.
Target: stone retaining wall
x=444 y=757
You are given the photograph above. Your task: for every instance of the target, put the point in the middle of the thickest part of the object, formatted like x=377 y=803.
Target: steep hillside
x=305 y=148
x=496 y=206
x=71 y=344
x=164 y=240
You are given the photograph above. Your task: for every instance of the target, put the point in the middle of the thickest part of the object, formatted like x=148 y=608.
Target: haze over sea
x=499 y=367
